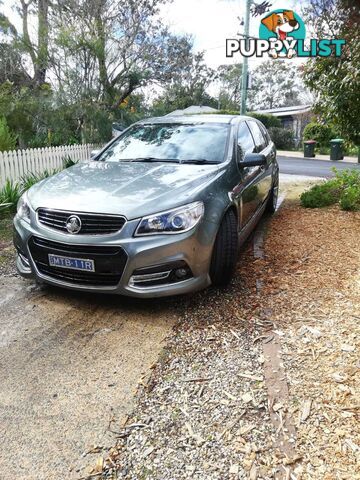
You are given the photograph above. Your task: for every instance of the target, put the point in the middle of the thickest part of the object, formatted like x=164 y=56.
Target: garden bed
x=7 y=251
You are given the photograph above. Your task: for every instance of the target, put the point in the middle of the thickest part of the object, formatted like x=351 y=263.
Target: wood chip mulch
x=312 y=286
x=205 y=412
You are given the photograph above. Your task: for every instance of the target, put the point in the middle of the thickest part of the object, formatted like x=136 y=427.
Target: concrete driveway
x=69 y=365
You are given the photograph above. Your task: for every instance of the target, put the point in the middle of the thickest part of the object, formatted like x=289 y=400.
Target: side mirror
x=93 y=153
x=253 y=160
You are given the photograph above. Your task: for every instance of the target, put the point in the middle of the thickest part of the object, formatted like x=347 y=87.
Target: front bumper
x=193 y=247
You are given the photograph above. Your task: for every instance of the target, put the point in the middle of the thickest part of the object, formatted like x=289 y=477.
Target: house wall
x=296 y=123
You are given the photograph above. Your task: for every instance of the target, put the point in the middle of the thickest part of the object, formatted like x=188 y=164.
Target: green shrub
x=350 y=199
x=350 y=196
x=321 y=133
x=31 y=179
x=343 y=189
x=12 y=191
x=9 y=196
x=4 y=207
x=351 y=149
x=27 y=181
x=7 y=139
x=323 y=195
x=270 y=121
x=348 y=177
x=282 y=137
x=68 y=162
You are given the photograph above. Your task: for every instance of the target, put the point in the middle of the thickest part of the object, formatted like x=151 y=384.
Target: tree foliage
x=7 y=139
x=229 y=77
x=282 y=137
x=119 y=46
x=335 y=80
x=267 y=119
x=75 y=66
x=187 y=88
x=319 y=132
x=275 y=84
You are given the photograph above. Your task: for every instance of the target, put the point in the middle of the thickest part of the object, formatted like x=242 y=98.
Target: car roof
x=202 y=118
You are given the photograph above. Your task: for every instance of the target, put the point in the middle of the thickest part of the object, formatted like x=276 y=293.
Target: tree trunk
x=39 y=53
x=41 y=63
x=26 y=37
x=100 y=53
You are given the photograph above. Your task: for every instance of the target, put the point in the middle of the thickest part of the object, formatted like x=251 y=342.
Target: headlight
x=177 y=220
x=23 y=209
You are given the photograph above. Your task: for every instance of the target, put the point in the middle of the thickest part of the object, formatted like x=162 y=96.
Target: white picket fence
x=17 y=163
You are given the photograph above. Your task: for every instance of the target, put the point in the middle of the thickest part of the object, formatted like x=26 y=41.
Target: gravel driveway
x=69 y=365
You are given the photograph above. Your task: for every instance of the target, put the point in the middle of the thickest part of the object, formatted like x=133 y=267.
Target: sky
x=211 y=22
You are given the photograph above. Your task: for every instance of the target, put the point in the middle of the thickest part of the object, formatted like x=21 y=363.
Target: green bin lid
x=336 y=140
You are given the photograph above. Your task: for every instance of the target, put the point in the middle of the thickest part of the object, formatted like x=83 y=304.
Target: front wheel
x=273 y=197
x=224 y=256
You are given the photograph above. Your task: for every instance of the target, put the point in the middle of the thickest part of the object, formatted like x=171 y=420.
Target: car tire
x=225 y=252
x=273 y=197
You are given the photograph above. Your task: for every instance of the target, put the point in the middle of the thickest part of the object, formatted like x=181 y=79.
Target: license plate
x=71 y=263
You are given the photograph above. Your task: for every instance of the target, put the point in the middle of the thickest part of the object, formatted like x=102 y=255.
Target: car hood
x=130 y=189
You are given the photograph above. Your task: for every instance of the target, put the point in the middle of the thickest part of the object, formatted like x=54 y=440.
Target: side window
x=245 y=140
x=265 y=133
x=259 y=139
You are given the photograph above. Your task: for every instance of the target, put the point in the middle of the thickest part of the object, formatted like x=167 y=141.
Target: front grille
x=91 y=223
x=109 y=262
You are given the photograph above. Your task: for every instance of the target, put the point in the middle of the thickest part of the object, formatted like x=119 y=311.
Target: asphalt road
x=310 y=167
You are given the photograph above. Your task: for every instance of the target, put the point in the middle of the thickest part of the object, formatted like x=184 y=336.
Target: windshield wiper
x=198 y=161
x=154 y=159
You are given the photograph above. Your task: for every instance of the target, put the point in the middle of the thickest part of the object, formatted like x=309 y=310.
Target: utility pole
x=245 y=61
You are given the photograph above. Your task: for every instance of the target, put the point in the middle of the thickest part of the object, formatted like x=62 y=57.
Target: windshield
x=205 y=143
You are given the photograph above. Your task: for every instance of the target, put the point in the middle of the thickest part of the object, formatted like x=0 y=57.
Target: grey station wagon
x=161 y=210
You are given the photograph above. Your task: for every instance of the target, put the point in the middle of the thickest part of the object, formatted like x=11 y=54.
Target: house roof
x=187 y=119
x=287 y=111
x=193 y=110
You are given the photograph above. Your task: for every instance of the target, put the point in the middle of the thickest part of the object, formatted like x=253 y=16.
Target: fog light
x=163 y=274
x=24 y=259
x=181 y=272
x=136 y=280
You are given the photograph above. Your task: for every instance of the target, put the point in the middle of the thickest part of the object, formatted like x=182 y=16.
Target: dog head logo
x=285 y=26
x=281 y=23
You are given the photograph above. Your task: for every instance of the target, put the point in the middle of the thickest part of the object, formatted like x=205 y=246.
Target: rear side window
x=260 y=141
x=245 y=140
x=265 y=133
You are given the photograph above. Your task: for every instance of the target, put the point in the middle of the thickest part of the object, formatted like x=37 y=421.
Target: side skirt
x=249 y=227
